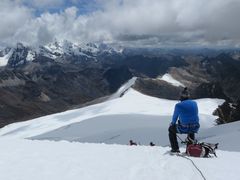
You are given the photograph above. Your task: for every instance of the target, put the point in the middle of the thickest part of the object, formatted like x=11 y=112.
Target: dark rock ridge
x=157 y=88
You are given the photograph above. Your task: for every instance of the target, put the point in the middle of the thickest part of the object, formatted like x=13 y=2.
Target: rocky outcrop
x=228 y=112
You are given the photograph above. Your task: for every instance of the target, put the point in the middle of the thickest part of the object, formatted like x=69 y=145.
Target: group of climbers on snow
x=132 y=143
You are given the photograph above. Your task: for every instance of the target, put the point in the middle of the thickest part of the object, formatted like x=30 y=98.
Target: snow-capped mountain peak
x=21 y=54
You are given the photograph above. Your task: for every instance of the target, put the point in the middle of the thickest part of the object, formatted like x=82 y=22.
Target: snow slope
x=39 y=160
x=227 y=135
x=119 y=129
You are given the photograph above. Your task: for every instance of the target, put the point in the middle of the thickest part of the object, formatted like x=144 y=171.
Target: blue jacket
x=187 y=113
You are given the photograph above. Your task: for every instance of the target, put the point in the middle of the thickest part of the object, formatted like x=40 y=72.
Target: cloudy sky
x=127 y=22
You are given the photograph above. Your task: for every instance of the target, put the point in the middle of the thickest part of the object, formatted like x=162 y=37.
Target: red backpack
x=201 y=149
x=195 y=150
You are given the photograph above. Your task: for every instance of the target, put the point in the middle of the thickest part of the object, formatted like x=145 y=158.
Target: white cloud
x=13 y=16
x=47 y=27
x=158 y=22
x=211 y=20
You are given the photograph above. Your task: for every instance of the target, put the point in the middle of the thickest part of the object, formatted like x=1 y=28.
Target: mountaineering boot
x=175 y=151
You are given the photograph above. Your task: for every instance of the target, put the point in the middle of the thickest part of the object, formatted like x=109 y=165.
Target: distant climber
x=131 y=143
x=151 y=144
x=185 y=120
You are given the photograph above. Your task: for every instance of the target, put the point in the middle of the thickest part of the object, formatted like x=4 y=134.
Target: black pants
x=172 y=130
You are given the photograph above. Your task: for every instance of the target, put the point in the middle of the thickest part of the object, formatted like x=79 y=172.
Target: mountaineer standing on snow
x=186 y=112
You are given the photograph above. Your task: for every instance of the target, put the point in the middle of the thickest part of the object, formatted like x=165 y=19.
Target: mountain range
x=36 y=81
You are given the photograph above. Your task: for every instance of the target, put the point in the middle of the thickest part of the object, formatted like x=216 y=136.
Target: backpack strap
x=210 y=147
